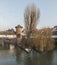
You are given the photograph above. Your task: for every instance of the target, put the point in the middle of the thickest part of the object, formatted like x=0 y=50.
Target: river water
x=19 y=57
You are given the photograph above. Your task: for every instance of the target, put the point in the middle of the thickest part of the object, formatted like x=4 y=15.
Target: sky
x=12 y=13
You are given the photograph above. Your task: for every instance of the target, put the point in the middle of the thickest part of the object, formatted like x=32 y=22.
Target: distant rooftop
x=55 y=28
x=7 y=32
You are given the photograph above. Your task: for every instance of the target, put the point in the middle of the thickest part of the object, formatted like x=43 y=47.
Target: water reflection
x=19 y=57
x=40 y=59
x=34 y=58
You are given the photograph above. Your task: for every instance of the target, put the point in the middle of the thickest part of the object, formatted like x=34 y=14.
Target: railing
x=54 y=36
x=14 y=36
x=8 y=36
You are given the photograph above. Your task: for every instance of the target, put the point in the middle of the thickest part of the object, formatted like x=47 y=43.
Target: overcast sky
x=12 y=13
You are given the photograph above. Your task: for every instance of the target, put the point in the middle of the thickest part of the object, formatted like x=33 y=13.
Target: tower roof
x=18 y=26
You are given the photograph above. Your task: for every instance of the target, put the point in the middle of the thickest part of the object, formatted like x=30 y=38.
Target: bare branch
x=31 y=17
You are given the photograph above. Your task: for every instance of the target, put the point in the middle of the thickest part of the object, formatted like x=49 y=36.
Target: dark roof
x=18 y=26
x=55 y=28
x=9 y=31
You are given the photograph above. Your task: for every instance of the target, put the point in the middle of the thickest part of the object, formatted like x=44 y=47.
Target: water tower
x=19 y=32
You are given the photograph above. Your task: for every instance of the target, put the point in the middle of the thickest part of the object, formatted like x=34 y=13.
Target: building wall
x=19 y=31
x=7 y=36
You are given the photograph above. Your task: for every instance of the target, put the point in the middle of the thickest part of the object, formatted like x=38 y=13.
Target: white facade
x=54 y=36
x=7 y=36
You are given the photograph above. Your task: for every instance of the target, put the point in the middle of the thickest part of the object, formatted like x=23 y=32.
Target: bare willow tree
x=31 y=17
